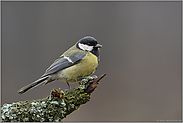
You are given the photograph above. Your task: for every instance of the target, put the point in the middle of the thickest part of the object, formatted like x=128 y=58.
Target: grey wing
x=64 y=62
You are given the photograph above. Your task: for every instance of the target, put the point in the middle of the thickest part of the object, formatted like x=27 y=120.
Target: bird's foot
x=89 y=77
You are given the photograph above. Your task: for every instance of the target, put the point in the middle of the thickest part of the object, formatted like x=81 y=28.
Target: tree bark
x=53 y=108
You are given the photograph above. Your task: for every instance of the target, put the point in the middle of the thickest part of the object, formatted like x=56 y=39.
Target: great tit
x=79 y=61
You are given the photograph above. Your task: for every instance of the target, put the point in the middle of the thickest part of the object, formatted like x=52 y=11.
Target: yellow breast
x=85 y=67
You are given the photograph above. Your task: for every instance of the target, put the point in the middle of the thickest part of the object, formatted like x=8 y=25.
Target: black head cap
x=89 y=43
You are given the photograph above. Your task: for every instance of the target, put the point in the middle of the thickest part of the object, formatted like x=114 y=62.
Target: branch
x=53 y=108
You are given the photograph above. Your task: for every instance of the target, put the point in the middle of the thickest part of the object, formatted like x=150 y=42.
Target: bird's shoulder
x=68 y=58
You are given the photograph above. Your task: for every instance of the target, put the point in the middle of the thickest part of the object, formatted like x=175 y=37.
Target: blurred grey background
x=141 y=55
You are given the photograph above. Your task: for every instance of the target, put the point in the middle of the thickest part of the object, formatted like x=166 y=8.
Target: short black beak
x=98 y=45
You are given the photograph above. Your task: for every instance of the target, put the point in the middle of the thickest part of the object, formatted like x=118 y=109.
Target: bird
x=78 y=62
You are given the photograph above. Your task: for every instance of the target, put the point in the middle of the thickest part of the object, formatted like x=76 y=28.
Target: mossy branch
x=53 y=108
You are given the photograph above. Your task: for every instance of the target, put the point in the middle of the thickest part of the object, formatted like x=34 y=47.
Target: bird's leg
x=68 y=85
x=93 y=76
x=87 y=78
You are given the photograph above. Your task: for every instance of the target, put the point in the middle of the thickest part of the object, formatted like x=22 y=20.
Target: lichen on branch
x=53 y=108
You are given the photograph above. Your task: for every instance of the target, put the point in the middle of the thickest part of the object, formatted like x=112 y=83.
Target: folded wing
x=64 y=61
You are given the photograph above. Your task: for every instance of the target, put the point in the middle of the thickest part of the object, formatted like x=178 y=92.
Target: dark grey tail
x=32 y=85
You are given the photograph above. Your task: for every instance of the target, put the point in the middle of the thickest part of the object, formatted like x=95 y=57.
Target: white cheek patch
x=68 y=59
x=85 y=47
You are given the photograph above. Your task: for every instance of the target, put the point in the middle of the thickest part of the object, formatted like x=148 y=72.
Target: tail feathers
x=32 y=85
